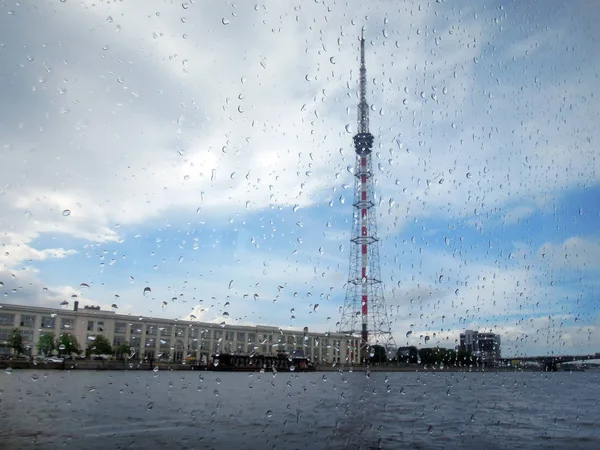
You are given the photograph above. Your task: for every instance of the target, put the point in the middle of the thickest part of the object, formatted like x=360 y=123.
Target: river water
x=206 y=410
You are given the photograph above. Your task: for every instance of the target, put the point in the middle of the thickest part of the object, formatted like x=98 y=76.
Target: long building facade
x=170 y=340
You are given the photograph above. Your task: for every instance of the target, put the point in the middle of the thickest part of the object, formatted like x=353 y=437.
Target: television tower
x=364 y=313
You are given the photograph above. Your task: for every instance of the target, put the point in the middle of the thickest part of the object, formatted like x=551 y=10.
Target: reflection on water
x=204 y=410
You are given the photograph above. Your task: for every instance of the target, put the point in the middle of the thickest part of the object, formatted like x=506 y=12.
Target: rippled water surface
x=206 y=410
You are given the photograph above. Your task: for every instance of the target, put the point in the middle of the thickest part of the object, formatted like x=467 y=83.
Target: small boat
x=231 y=362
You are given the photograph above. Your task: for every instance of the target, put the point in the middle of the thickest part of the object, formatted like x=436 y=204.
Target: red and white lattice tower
x=364 y=313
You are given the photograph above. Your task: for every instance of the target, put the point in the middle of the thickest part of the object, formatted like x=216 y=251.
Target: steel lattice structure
x=364 y=313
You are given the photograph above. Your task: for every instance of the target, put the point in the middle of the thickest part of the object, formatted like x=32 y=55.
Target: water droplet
x=150 y=405
x=62 y=347
x=155 y=369
x=66 y=212
x=84 y=285
x=35 y=377
x=64 y=304
x=427 y=338
x=469 y=175
x=147 y=290
x=441 y=278
x=8 y=371
x=348 y=128
x=408 y=333
x=114 y=306
x=225 y=21
x=269 y=413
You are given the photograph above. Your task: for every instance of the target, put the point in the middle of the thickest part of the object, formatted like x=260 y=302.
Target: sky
x=203 y=149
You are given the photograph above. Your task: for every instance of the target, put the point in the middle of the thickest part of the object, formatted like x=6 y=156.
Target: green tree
x=123 y=350
x=67 y=344
x=99 y=346
x=377 y=354
x=15 y=341
x=46 y=344
x=408 y=354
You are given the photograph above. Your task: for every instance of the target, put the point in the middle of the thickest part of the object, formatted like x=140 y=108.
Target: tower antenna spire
x=364 y=290
x=363 y=107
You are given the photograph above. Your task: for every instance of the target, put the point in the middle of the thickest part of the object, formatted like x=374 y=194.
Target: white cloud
x=574 y=253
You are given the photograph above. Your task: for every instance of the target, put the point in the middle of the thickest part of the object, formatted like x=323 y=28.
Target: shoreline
x=9 y=366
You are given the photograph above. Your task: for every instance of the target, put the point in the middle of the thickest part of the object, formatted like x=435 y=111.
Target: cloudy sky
x=203 y=149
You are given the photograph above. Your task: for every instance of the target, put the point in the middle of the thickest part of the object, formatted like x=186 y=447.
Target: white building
x=486 y=345
x=170 y=340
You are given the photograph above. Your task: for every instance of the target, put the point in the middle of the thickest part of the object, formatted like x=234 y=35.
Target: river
x=207 y=410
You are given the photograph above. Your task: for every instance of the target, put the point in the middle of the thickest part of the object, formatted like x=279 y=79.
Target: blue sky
x=205 y=152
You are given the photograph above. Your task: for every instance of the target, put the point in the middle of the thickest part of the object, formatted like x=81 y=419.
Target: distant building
x=170 y=340
x=485 y=345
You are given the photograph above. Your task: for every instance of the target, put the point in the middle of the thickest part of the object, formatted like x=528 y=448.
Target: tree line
x=66 y=345
x=436 y=356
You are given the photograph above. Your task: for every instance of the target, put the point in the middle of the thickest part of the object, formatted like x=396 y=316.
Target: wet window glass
x=299 y=224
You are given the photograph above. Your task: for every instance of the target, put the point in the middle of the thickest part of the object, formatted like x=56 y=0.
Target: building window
x=118 y=340
x=27 y=321
x=5 y=334
x=66 y=324
x=7 y=319
x=165 y=331
x=229 y=335
x=90 y=326
x=179 y=332
x=121 y=327
x=47 y=322
x=100 y=326
x=252 y=337
x=241 y=337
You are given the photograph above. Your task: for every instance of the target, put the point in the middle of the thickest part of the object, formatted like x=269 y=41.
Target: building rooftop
x=131 y=318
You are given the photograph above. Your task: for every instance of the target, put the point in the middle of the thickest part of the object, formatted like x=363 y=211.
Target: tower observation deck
x=364 y=313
